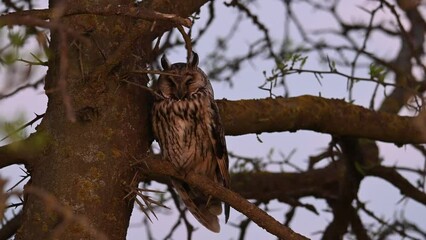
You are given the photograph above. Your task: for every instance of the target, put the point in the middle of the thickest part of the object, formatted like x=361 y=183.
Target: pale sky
x=381 y=197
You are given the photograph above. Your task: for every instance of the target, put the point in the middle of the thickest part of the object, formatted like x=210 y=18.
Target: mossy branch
x=332 y=116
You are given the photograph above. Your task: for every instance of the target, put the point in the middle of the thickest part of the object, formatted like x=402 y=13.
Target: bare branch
x=30 y=123
x=255 y=20
x=188 y=43
x=10 y=228
x=317 y=114
x=357 y=227
x=28 y=85
x=15 y=18
x=23 y=152
x=393 y=177
x=350 y=180
x=208 y=187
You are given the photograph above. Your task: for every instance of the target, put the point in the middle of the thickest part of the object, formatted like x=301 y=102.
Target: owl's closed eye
x=181 y=81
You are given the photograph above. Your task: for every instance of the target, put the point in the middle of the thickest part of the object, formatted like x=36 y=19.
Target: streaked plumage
x=187 y=125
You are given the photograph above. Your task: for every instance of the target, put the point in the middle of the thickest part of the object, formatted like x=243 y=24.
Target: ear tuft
x=165 y=62
x=194 y=60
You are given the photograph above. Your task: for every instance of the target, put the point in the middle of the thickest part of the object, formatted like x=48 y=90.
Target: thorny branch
x=11 y=226
x=208 y=187
x=138 y=194
x=26 y=86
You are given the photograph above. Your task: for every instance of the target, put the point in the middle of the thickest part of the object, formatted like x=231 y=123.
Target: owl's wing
x=220 y=150
x=204 y=213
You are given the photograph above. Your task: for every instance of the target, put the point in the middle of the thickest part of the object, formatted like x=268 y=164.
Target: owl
x=187 y=125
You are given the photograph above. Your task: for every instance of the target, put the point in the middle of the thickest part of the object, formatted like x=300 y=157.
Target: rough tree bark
x=87 y=164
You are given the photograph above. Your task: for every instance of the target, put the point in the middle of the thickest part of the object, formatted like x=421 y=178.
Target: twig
x=23 y=177
x=336 y=72
x=156 y=72
x=28 y=85
x=11 y=226
x=148 y=202
x=393 y=177
x=189 y=227
x=188 y=44
x=30 y=123
x=28 y=20
x=143 y=87
x=362 y=206
x=257 y=23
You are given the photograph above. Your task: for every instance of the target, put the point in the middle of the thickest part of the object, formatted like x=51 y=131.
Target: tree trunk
x=88 y=164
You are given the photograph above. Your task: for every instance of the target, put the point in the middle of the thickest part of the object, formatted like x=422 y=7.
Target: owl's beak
x=181 y=93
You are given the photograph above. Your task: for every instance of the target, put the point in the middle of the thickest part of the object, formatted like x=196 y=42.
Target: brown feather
x=187 y=125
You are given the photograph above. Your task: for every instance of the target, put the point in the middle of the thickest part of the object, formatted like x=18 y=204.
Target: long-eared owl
x=187 y=125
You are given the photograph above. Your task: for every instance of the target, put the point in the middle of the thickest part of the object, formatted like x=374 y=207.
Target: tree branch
x=282 y=186
x=18 y=18
x=319 y=183
x=393 y=177
x=23 y=87
x=149 y=31
x=348 y=189
x=23 y=152
x=155 y=166
x=357 y=227
x=332 y=116
x=10 y=227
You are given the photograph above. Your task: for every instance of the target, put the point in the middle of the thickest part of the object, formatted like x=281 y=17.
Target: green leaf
x=8 y=58
x=377 y=72
x=302 y=62
x=16 y=39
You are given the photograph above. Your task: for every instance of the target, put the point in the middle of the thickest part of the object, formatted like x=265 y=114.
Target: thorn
x=30 y=123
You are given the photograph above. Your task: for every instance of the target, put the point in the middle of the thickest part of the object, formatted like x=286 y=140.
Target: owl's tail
x=204 y=209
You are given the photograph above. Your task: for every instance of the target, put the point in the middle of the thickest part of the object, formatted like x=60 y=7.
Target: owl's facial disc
x=186 y=86
x=175 y=88
x=182 y=82
x=194 y=83
x=181 y=91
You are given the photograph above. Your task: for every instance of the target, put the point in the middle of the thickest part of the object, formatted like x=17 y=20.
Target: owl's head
x=181 y=81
